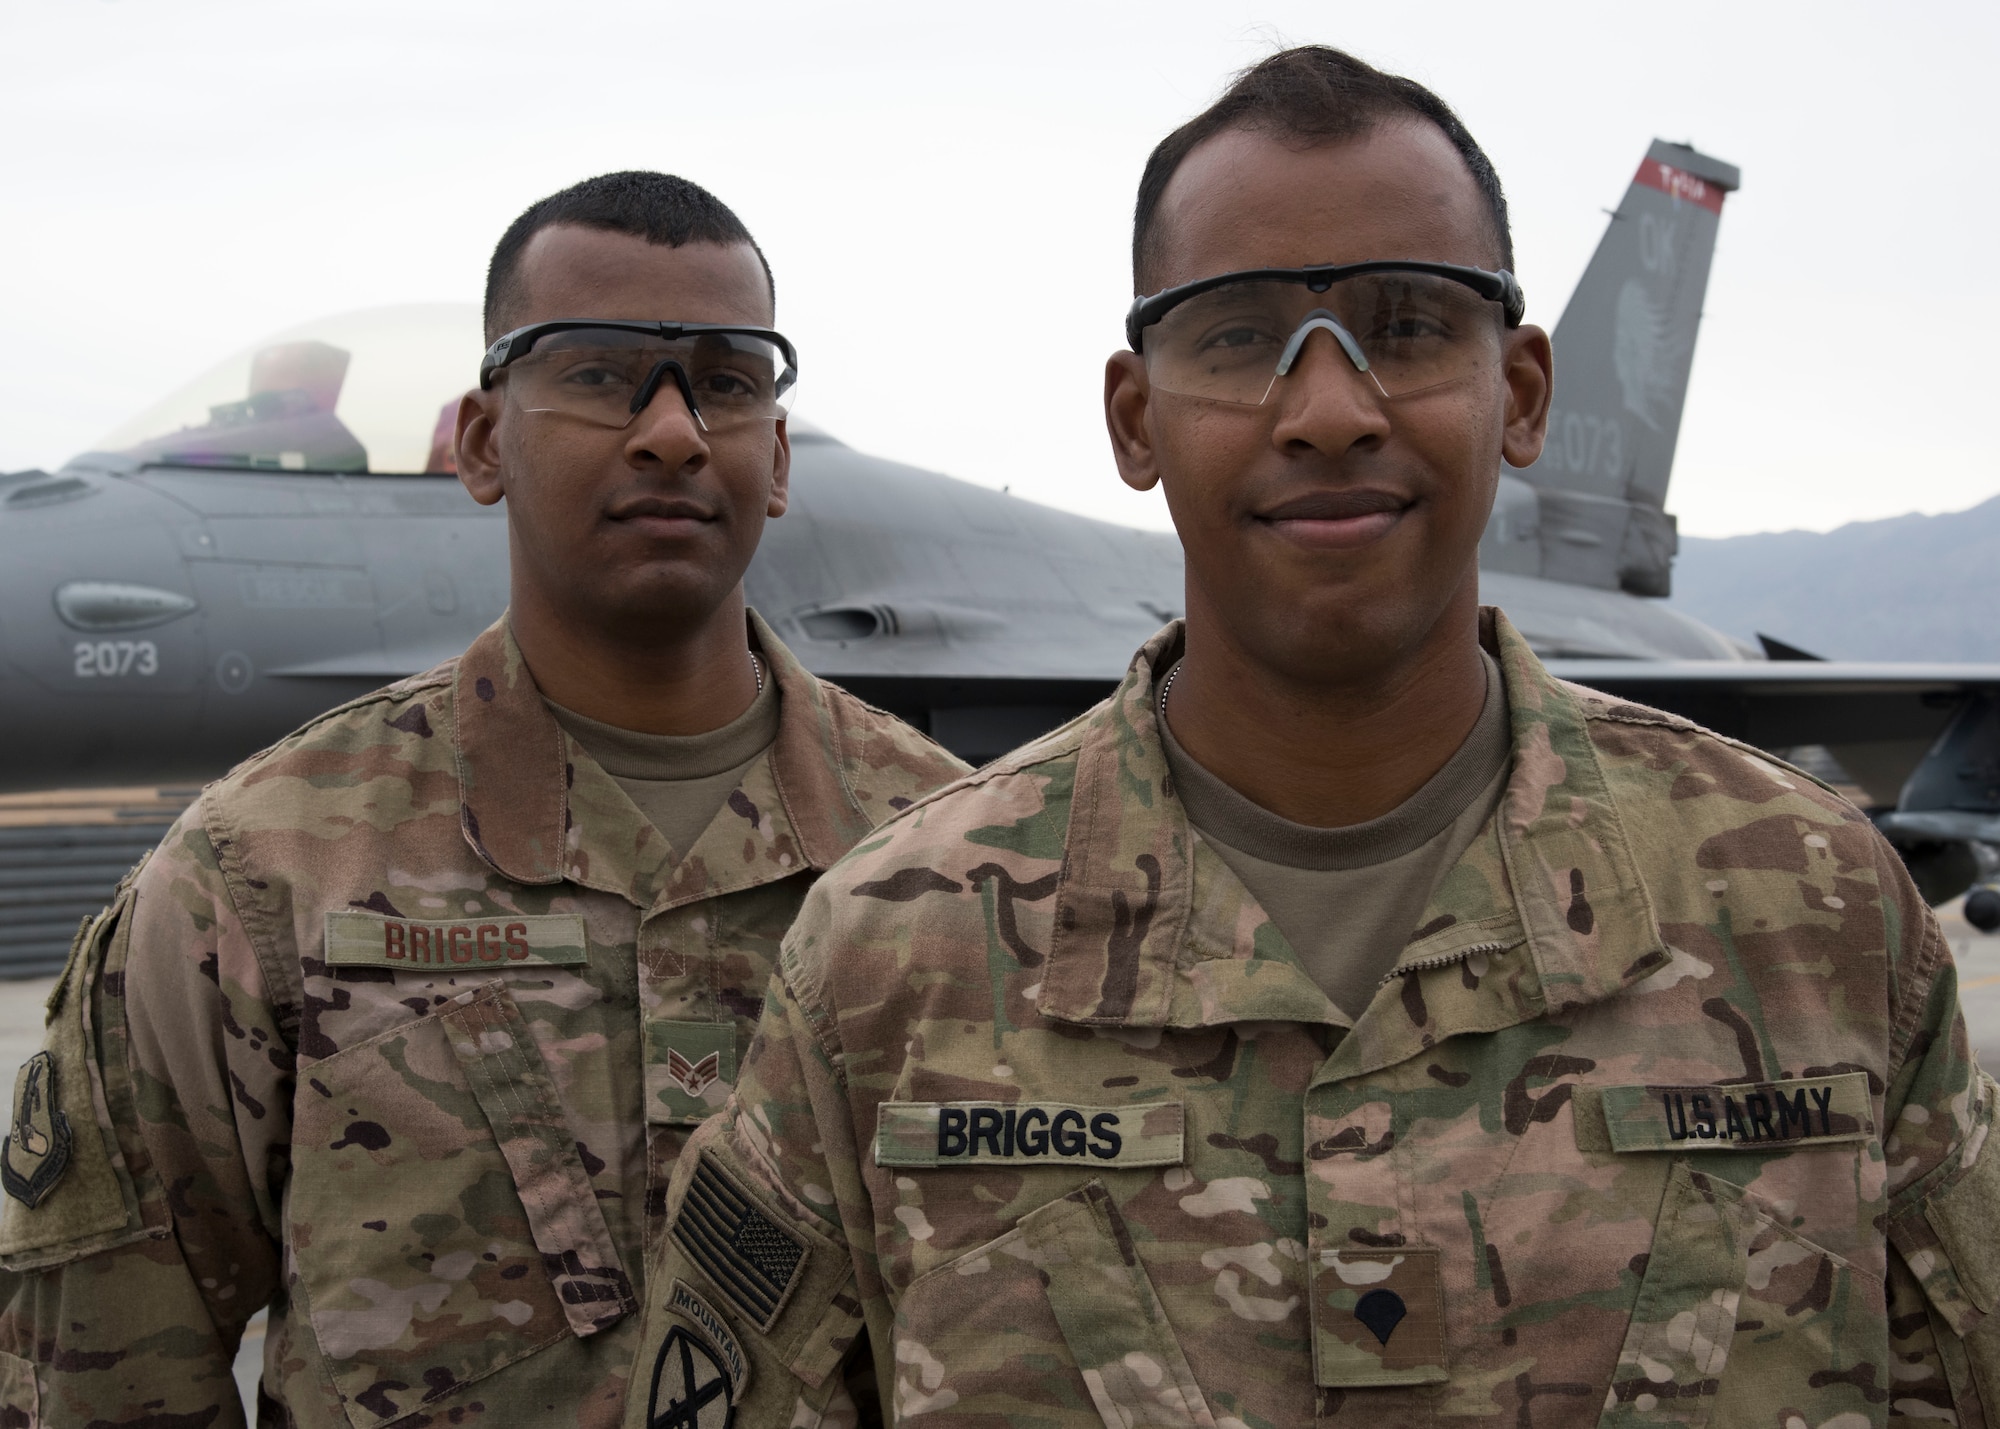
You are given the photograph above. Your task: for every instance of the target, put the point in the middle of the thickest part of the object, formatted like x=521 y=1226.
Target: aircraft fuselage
x=158 y=624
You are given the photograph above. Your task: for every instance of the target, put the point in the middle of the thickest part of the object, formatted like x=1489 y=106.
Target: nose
x=667 y=425
x=662 y=370
x=1326 y=396
x=1320 y=320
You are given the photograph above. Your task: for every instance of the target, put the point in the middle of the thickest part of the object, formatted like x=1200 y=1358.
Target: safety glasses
x=607 y=371
x=1406 y=326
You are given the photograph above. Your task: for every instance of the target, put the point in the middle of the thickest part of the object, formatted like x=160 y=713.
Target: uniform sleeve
x=760 y=1289
x=161 y=1109
x=1943 y=1168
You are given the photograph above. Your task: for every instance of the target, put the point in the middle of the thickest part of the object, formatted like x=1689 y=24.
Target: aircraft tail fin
x=1623 y=350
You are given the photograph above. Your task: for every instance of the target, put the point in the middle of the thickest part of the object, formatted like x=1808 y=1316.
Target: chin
x=661 y=594
x=1347 y=633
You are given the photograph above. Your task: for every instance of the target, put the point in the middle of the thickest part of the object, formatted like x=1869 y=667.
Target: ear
x=781 y=473
x=1128 y=398
x=477 y=444
x=1528 y=363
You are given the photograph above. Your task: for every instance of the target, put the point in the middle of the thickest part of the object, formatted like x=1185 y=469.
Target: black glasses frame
x=518 y=343
x=1499 y=287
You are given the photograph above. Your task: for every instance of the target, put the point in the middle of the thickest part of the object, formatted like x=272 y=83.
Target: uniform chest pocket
x=1055 y=1322
x=440 y=1218
x=1741 y=1320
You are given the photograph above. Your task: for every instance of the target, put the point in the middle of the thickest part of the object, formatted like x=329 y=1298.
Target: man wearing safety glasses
x=403 y=1028
x=1346 y=1021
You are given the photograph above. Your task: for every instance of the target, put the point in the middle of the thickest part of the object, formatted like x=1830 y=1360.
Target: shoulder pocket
x=774 y=1271
x=1947 y=1240
x=770 y=1314
x=444 y=1222
x=1947 y=1237
x=990 y=1332
x=69 y=1191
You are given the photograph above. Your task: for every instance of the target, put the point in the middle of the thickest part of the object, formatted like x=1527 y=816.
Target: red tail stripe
x=1679 y=183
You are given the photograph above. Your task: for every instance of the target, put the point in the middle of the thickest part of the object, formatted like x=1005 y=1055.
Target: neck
x=1328 y=748
x=673 y=679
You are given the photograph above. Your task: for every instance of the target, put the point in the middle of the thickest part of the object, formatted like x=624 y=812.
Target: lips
x=662 y=518
x=1337 y=520
x=661 y=508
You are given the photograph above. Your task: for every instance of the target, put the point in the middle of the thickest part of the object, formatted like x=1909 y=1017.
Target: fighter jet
x=285 y=533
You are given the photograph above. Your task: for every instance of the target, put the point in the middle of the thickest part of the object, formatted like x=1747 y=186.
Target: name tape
x=1028 y=1134
x=357 y=939
x=1799 y=1111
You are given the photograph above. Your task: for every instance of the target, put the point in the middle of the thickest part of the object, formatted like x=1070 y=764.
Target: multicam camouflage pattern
x=1474 y=1204
x=433 y=1143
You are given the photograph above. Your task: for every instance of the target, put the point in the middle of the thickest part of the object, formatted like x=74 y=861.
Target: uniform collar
x=1583 y=903
x=1134 y=945
x=516 y=782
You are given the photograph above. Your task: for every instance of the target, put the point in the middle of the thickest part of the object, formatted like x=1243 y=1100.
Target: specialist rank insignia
x=36 y=1152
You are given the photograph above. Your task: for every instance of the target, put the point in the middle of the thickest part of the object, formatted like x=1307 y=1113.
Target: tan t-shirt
x=679 y=781
x=1347 y=899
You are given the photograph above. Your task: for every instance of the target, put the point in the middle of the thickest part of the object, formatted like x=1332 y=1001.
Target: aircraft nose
x=99 y=634
x=19 y=578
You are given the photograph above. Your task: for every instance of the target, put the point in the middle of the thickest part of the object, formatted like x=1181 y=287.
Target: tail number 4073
x=107 y=659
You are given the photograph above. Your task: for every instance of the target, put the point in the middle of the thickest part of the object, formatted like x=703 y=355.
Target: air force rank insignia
x=690 y=1069
x=694 y=1078
x=36 y=1152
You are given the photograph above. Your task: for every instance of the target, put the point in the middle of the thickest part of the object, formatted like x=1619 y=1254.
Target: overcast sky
x=945 y=194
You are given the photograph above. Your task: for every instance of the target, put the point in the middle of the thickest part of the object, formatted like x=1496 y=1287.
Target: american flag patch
x=746 y=1255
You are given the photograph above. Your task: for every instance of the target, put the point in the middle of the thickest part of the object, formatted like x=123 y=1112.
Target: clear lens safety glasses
x=1406 y=329
x=607 y=373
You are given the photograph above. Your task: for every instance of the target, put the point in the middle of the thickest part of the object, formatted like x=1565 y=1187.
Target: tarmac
x=1978 y=956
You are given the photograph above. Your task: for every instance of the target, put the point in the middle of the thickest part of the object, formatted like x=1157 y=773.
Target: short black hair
x=1317 y=94
x=660 y=208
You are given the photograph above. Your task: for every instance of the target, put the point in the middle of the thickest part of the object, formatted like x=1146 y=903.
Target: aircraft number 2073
x=103 y=659
x=1586 y=445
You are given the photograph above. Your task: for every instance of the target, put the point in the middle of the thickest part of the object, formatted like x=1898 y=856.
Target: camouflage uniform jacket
x=401 y=1030
x=1665 y=1116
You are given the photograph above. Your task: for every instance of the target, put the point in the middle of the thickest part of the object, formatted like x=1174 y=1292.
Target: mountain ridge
x=1909 y=587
